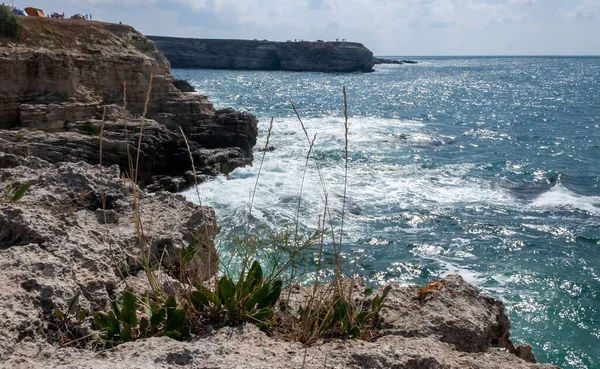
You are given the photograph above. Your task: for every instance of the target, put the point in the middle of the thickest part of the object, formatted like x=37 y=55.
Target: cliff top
x=70 y=34
x=245 y=42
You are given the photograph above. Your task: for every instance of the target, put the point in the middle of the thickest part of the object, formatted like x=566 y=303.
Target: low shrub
x=10 y=24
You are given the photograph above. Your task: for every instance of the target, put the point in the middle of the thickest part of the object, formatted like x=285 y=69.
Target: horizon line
x=487 y=55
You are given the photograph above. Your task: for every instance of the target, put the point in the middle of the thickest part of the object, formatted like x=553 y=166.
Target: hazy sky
x=387 y=27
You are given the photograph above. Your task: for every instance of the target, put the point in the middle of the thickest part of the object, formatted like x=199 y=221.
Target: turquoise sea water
x=487 y=167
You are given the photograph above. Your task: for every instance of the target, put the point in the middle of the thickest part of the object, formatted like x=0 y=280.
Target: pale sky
x=387 y=27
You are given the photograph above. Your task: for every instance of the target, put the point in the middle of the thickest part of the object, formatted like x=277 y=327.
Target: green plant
x=90 y=128
x=123 y=324
x=74 y=309
x=10 y=24
x=12 y=194
x=251 y=299
x=68 y=322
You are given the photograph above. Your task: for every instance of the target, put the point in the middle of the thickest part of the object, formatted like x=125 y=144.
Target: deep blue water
x=487 y=167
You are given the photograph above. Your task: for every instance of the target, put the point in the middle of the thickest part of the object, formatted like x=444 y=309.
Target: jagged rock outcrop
x=183 y=85
x=61 y=74
x=74 y=232
x=265 y=55
x=393 y=61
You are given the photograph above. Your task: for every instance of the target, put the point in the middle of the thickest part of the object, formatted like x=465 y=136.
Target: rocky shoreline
x=74 y=233
x=54 y=95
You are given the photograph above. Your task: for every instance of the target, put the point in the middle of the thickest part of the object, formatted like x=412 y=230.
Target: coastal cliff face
x=62 y=74
x=265 y=55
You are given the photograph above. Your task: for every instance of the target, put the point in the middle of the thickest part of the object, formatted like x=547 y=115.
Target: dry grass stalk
x=338 y=255
x=103 y=198
x=256 y=182
x=293 y=261
x=205 y=244
x=324 y=188
x=127 y=129
x=102 y=134
x=136 y=210
x=324 y=299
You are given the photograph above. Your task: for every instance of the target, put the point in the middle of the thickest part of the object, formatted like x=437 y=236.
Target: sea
x=488 y=167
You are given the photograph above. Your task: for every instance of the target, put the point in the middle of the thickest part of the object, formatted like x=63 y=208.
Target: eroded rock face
x=163 y=151
x=73 y=232
x=265 y=55
x=247 y=347
x=61 y=89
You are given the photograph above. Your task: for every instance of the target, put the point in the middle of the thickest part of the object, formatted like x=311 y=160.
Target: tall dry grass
x=327 y=308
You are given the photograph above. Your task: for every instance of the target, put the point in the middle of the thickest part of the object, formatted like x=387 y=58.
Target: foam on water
x=561 y=198
x=453 y=168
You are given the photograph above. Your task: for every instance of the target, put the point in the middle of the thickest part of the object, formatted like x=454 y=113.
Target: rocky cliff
x=265 y=55
x=61 y=75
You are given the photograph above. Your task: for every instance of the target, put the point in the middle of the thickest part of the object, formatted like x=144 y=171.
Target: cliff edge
x=63 y=81
x=265 y=55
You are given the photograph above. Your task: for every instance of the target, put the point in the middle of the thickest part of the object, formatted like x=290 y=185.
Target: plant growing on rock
x=250 y=299
x=10 y=24
x=124 y=323
x=70 y=324
x=89 y=128
x=336 y=316
x=12 y=194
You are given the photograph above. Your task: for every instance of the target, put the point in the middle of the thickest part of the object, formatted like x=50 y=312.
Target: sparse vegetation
x=124 y=323
x=14 y=194
x=258 y=272
x=69 y=323
x=90 y=128
x=10 y=24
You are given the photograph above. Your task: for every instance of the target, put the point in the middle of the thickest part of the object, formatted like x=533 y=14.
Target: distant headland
x=300 y=56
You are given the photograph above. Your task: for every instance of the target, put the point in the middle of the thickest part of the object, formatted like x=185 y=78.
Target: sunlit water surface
x=487 y=167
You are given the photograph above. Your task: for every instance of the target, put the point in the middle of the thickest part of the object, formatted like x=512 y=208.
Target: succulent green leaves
x=122 y=324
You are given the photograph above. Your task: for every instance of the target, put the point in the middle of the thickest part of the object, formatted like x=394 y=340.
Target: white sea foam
x=377 y=183
x=560 y=197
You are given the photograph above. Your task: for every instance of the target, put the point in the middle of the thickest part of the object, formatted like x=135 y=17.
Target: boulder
x=183 y=85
